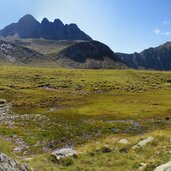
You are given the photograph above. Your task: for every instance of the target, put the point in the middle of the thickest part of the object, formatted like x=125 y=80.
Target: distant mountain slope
x=158 y=58
x=44 y=46
x=15 y=54
x=91 y=55
x=29 y=27
x=72 y=54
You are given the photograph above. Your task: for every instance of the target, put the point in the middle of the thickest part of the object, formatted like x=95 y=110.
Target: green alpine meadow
x=88 y=110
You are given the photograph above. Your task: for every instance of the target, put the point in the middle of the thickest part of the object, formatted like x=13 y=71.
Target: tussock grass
x=87 y=109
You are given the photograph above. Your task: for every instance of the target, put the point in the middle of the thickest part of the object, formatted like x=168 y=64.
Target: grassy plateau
x=86 y=109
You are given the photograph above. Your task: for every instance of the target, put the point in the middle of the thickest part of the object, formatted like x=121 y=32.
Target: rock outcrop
x=9 y=164
x=164 y=167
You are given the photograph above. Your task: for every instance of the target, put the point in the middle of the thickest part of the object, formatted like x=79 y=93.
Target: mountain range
x=29 y=42
x=29 y=27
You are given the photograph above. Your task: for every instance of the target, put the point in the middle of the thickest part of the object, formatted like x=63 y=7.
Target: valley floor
x=89 y=110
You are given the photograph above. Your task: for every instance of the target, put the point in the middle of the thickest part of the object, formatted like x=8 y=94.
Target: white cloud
x=166 y=22
x=157 y=31
x=167 y=33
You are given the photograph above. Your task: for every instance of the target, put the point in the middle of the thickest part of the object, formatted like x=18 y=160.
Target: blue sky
x=124 y=25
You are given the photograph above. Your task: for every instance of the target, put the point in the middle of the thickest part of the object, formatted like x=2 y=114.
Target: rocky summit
x=29 y=27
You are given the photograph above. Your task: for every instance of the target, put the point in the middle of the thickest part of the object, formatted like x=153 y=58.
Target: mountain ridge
x=29 y=27
x=154 y=58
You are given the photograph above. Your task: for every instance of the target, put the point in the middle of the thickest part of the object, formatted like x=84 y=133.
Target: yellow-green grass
x=83 y=106
x=122 y=158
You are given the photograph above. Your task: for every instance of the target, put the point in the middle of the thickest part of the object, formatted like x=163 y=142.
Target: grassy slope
x=85 y=105
x=47 y=47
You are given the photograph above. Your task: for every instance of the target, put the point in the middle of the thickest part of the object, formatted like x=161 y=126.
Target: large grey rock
x=143 y=142
x=64 y=153
x=164 y=167
x=9 y=164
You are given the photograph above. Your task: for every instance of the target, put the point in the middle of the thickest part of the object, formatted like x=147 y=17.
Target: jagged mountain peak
x=58 y=21
x=29 y=27
x=45 y=20
x=27 y=17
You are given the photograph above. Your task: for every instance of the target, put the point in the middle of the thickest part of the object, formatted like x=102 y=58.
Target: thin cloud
x=167 y=33
x=166 y=22
x=157 y=31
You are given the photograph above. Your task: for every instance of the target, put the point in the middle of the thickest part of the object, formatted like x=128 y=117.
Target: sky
x=124 y=25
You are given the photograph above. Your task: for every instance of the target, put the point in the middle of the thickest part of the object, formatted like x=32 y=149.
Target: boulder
x=123 y=141
x=143 y=142
x=9 y=164
x=64 y=153
x=164 y=167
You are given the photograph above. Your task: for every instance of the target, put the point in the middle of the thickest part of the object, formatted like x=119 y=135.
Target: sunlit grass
x=80 y=107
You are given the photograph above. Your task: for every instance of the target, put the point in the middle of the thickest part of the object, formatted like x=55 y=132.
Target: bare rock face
x=12 y=53
x=9 y=164
x=164 y=167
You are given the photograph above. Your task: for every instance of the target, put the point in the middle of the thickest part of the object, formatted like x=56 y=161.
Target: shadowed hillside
x=158 y=58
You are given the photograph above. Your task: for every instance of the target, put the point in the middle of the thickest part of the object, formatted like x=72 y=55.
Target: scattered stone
x=106 y=149
x=143 y=142
x=64 y=153
x=123 y=141
x=142 y=167
x=8 y=164
x=164 y=167
x=17 y=150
